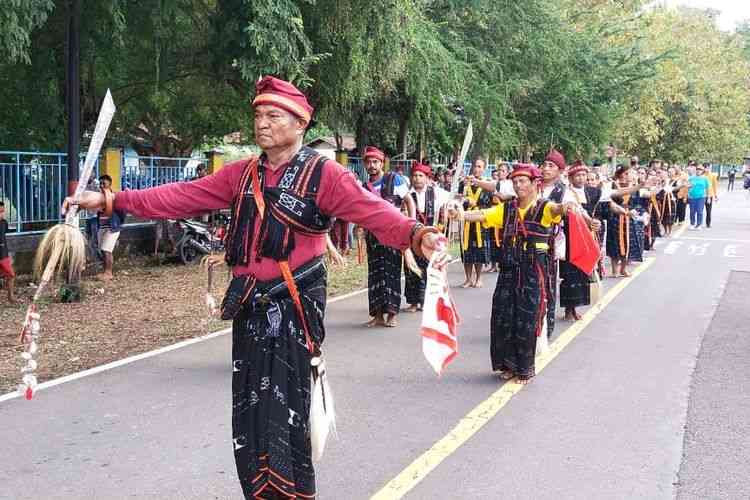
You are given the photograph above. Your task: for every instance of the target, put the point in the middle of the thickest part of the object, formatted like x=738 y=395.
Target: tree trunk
x=361 y=134
x=339 y=140
x=73 y=91
x=480 y=137
x=421 y=146
x=402 y=141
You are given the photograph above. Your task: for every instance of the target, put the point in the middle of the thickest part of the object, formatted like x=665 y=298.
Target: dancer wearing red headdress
x=429 y=199
x=281 y=207
x=519 y=304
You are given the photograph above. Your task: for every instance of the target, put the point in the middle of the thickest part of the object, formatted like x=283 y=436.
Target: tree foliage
x=18 y=19
x=406 y=75
x=697 y=103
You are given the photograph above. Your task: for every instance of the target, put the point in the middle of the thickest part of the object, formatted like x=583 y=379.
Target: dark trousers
x=681 y=206
x=709 y=205
x=730 y=185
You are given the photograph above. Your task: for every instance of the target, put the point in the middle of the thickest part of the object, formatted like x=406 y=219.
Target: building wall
x=134 y=238
x=327 y=151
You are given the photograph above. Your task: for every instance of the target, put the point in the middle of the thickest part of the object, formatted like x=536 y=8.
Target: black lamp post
x=71 y=290
x=73 y=91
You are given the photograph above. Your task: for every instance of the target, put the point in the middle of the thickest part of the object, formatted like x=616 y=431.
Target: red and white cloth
x=439 y=320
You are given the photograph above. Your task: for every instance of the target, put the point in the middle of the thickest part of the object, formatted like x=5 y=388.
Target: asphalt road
x=718 y=430
x=606 y=419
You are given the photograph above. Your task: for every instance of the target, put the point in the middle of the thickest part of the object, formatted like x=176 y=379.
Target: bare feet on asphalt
x=376 y=321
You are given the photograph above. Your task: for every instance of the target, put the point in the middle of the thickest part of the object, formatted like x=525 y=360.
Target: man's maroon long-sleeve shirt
x=340 y=195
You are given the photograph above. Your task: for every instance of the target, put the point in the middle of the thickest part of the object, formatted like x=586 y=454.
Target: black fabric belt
x=245 y=291
x=306 y=275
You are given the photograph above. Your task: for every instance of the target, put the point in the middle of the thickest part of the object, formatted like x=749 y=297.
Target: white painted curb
x=149 y=354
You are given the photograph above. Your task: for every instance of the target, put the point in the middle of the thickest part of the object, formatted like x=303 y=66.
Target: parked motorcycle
x=197 y=239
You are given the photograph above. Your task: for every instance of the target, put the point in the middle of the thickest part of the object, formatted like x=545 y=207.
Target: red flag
x=583 y=250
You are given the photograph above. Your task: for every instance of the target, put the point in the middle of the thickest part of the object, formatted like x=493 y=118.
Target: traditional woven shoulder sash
x=428 y=216
x=520 y=232
x=286 y=209
x=654 y=207
x=475 y=196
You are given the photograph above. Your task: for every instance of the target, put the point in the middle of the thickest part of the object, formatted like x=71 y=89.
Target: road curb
x=148 y=354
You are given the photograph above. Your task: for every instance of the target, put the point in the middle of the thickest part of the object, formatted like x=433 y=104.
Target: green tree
x=18 y=19
x=181 y=71
x=696 y=105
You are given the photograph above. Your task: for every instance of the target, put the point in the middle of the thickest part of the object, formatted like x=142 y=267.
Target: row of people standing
x=513 y=220
x=421 y=199
x=626 y=214
x=528 y=225
x=658 y=198
x=482 y=244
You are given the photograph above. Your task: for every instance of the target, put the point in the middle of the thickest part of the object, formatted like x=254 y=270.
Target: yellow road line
x=487 y=409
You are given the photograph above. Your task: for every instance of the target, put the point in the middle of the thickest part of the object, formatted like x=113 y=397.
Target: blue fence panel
x=33 y=186
x=357 y=166
x=723 y=169
x=139 y=172
x=402 y=166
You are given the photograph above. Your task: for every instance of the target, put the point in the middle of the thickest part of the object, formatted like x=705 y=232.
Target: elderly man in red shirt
x=281 y=204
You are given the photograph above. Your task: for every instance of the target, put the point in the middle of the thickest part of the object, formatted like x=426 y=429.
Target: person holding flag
x=574 y=283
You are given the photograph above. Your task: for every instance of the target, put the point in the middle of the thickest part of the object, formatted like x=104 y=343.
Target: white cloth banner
x=439 y=320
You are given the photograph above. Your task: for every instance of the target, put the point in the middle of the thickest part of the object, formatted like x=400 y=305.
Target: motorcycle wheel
x=188 y=253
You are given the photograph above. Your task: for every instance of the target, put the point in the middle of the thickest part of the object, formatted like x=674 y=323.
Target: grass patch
x=348 y=278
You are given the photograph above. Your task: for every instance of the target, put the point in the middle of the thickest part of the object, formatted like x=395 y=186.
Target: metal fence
x=723 y=170
x=404 y=167
x=357 y=165
x=488 y=169
x=33 y=186
x=139 y=172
